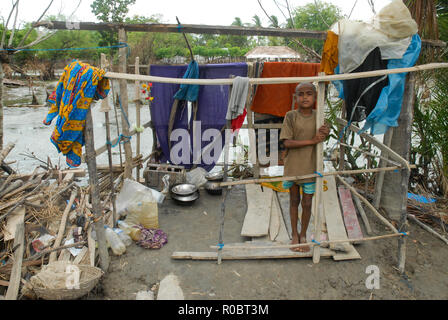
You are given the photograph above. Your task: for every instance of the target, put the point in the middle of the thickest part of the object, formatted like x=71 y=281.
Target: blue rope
x=320 y=174
x=119 y=140
x=220 y=246
x=315 y=241
x=404 y=233
x=120 y=45
x=179 y=27
x=124 y=113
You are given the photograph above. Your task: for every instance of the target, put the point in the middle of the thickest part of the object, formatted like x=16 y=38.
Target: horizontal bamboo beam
x=199 y=29
x=313 y=175
x=326 y=242
x=185 y=28
x=277 y=80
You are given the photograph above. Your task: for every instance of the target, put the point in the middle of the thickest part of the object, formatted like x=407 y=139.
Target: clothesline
x=282 y=80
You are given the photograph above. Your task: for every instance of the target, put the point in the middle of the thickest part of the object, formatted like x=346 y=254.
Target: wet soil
x=195 y=228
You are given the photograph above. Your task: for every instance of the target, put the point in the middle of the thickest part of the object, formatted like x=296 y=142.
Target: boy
x=299 y=138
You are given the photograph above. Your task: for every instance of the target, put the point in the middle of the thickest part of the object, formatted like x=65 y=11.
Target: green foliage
x=111 y=10
x=430 y=152
x=318 y=15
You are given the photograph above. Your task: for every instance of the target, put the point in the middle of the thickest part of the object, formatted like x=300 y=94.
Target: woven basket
x=89 y=278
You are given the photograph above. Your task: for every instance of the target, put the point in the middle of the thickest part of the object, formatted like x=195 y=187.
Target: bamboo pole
x=387 y=140
x=93 y=183
x=384 y=220
x=313 y=175
x=137 y=111
x=124 y=105
x=318 y=206
x=427 y=228
x=276 y=80
x=105 y=108
x=314 y=244
x=363 y=215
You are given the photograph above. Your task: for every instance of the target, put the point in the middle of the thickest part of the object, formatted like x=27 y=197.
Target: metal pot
x=186 y=200
x=217 y=176
x=184 y=189
x=212 y=189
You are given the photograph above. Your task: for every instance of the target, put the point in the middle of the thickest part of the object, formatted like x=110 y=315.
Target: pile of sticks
x=47 y=216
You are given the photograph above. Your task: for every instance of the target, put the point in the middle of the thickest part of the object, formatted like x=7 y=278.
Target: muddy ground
x=195 y=228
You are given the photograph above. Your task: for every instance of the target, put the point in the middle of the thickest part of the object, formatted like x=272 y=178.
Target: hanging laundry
x=236 y=110
x=79 y=84
x=276 y=99
x=212 y=104
x=387 y=109
x=330 y=53
x=361 y=95
x=189 y=91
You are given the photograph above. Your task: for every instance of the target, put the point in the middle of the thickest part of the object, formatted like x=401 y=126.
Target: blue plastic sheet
x=420 y=198
x=388 y=107
x=387 y=110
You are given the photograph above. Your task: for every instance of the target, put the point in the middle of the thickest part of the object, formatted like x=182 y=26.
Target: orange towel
x=330 y=53
x=276 y=99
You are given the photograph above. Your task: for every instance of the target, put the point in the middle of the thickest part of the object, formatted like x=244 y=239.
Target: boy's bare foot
x=295 y=240
x=304 y=248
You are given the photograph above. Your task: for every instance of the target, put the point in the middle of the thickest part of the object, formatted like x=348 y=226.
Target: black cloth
x=355 y=87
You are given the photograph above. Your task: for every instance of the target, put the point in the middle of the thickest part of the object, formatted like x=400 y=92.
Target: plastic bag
x=396 y=21
x=139 y=204
x=197 y=177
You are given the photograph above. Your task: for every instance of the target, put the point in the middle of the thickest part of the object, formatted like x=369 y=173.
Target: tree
x=111 y=10
x=315 y=16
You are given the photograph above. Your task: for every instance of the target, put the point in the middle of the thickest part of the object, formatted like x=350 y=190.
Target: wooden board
x=349 y=212
x=242 y=254
x=335 y=224
x=16 y=272
x=256 y=222
x=16 y=217
x=283 y=198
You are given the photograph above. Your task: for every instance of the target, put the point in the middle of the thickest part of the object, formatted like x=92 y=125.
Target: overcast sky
x=211 y=12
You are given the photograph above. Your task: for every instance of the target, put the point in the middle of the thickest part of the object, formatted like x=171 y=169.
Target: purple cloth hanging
x=212 y=104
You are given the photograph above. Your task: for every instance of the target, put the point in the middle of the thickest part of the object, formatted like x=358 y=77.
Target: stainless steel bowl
x=216 y=176
x=186 y=200
x=184 y=189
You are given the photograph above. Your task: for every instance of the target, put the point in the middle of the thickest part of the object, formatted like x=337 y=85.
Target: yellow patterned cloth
x=70 y=101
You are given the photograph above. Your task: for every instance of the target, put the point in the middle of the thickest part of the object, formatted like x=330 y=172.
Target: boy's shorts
x=307 y=187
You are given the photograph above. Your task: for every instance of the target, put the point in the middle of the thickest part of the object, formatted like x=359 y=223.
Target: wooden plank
x=81 y=255
x=242 y=254
x=16 y=272
x=14 y=219
x=64 y=255
x=256 y=222
x=335 y=223
x=91 y=243
x=283 y=198
x=349 y=212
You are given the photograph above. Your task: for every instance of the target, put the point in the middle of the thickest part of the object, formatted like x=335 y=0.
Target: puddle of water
x=23 y=126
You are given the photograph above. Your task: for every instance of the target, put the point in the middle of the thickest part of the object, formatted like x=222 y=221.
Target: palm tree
x=257 y=21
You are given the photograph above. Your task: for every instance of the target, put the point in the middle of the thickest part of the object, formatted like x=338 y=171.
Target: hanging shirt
x=330 y=54
x=299 y=161
x=79 y=84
